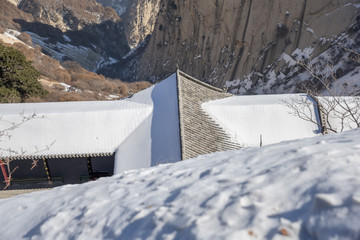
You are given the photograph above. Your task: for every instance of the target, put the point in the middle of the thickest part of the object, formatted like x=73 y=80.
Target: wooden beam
x=89 y=166
x=4 y=172
x=47 y=170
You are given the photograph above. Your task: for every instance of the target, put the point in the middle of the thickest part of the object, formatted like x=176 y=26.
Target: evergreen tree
x=18 y=79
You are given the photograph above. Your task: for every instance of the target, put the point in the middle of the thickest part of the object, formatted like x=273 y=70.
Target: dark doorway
x=60 y=171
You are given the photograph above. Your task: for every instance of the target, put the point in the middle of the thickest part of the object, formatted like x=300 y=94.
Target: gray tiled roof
x=199 y=133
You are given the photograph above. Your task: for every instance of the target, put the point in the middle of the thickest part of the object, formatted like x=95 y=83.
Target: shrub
x=28 y=52
x=26 y=38
x=9 y=95
x=122 y=89
x=51 y=68
x=138 y=86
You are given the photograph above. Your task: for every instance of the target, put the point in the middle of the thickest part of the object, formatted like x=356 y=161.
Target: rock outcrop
x=139 y=17
x=222 y=40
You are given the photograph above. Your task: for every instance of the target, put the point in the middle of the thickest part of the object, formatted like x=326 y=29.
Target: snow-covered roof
x=176 y=119
x=199 y=133
x=142 y=130
x=68 y=129
x=261 y=118
x=340 y=113
x=157 y=139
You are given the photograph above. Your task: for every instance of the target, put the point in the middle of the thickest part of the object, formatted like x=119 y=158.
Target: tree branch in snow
x=338 y=102
x=6 y=135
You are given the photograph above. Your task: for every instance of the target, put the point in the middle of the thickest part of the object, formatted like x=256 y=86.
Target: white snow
x=251 y=118
x=289 y=60
x=142 y=130
x=310 y=30
x=10 y=36
x=105 y=61
x=66 y=38
x=300 y=55
x=69 y=128
x=303 y=189
x=84 y=55
x=344 y=112
x=157 y=140
x=15 y=2
x=13 y=32
x=69 y=88
x=128 y=54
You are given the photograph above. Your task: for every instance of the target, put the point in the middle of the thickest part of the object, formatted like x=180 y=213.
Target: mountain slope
x=240 y=44
x=83 y=31
x=339 y=65
x=223 y=40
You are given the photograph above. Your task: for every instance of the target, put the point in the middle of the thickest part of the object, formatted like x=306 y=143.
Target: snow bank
x=304 y=189
x=251 y=119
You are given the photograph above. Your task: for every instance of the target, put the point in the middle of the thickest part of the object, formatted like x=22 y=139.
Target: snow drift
x=303 y=189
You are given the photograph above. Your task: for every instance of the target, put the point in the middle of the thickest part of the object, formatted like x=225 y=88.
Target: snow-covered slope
x=304 y=189
x=339 y=64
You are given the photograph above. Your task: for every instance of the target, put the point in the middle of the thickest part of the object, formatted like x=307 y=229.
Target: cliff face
x=139 y=20
x=139 y=17
x=223 y=40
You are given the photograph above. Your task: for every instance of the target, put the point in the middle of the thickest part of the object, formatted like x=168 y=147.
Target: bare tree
x=338 y=102
x=6 y=135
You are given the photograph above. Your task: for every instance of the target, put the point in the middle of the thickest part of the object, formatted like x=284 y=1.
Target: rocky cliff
x=222 y=40
x=237 y=43
x=139 y=17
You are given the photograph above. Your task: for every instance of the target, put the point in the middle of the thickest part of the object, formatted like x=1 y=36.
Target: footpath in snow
x=302 y=189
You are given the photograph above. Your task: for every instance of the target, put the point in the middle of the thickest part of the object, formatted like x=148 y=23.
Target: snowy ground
x=9 y=37
x=303 y=189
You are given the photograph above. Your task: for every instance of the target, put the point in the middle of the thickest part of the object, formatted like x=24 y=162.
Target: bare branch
x=339 y=113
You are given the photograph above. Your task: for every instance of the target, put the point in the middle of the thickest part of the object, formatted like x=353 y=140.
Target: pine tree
x=18 y=79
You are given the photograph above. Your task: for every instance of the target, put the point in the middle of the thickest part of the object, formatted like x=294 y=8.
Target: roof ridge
x=201 y=82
